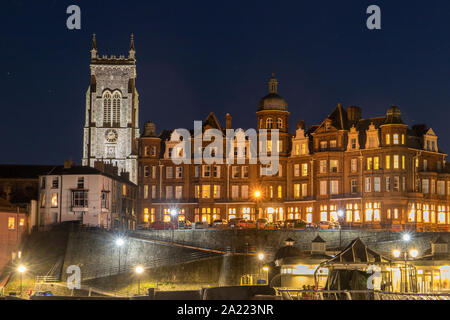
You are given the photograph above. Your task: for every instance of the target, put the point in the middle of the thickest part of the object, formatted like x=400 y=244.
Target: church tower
x=111 y=127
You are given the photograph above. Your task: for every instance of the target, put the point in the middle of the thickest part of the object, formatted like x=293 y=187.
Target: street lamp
x=257 y=196
x=21 y=269
x=266 y=270
x=139 y=270
x=340 y=216
x=261 y=256
x=406 y=237
x=396 y=253
x=413 y=253
x=119 y=243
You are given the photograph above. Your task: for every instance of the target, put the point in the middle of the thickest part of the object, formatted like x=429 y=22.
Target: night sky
x=194 y=57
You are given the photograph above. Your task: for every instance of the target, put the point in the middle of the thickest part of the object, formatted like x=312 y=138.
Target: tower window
x=107 y=107
x=116 y=108
x=279 y=123
x=269 y=123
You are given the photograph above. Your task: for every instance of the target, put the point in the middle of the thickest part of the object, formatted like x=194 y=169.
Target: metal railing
x=154 y=263
x=47 y=279
x=297 y=294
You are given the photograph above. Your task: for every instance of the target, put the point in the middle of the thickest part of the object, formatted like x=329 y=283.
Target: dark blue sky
x=194 y=57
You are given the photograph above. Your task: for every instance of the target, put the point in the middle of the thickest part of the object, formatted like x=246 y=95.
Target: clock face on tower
x=111 y=135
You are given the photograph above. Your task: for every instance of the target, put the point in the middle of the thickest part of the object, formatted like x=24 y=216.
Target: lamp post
x=139 y=270
x=266 y=270
x=406 y=237
x=21 y=269
x=257 y=196
x=260 y=258
x=119 y=244
x=340 y=216
x=174 y=213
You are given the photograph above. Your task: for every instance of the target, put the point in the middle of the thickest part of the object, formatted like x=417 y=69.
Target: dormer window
x=333 y=144
x=323 y=144
x=353 y=143
x=388 y=138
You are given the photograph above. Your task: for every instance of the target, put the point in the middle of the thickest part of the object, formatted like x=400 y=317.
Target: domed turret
x=393 y=115
x=273 y=101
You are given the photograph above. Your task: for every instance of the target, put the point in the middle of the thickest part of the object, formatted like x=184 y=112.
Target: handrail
x=349 y=294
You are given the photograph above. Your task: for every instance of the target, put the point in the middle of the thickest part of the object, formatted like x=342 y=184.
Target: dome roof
x=393 y=115
x=287 y=251
x=272 y=101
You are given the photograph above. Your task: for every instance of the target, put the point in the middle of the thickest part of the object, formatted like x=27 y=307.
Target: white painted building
x=85 y=194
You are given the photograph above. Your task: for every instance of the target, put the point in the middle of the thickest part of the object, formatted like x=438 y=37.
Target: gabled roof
x=357 y=251
x=338 y=118
x=439 y=240
x=318 y=239
x=212 y=121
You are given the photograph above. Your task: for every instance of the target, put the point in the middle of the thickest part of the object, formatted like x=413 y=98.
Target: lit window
x=354 y=164
x=323 y=213
x=206 y=191
x=388 y=139
x=396 y=164
x=54 y=200
x=296 y=190
x=395 y=138
x=388 y=162
x=304 y=169
x=369 y=163
x=376 y=163
x=11 y=223
x=333 y=166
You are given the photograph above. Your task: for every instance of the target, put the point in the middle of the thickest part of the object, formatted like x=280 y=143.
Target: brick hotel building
x=366 y=173
x=372 y=173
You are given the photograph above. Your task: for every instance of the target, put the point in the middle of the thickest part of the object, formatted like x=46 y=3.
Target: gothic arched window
x=116 y=108
x=107 y=107
x=279 y=123
x=269 y=123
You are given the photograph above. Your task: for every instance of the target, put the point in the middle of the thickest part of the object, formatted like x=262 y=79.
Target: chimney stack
x=149 y=129
x=228 y=121
x=354 y=113
x=68 y=164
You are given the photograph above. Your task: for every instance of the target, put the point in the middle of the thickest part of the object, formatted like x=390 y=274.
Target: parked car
x=311 y=226
x=42 y=294
x=219 y=224
x=328 y=225
x=160 y=225
x=184 y=224
x=250 y=224
x=295 y=224
x=238 y=223
x=261 y=223
x=272 y=226
x=142 y=226
x=199 y=225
